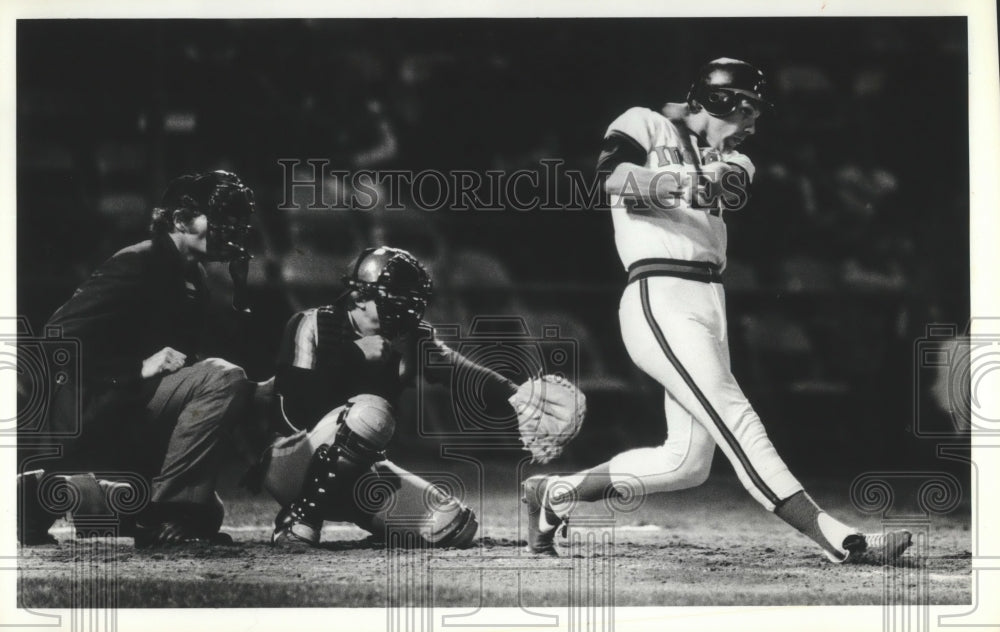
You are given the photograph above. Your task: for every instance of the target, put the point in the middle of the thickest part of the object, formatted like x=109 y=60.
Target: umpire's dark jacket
x=142 y=299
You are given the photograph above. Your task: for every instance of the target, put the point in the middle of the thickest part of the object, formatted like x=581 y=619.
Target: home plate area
x=716 y=547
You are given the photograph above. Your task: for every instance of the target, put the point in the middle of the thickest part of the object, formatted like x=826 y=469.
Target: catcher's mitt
x=550 y=411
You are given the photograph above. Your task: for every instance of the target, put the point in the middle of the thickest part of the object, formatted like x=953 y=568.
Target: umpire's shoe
x=542 y=521
x=874 y=548
x=179 y=524
x=176 y=533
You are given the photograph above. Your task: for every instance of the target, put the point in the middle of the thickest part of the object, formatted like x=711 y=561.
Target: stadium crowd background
x=854 y=240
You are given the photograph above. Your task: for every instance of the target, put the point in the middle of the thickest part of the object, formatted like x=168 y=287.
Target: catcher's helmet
x=722 y=82
x=224 y=200
x=397 y=282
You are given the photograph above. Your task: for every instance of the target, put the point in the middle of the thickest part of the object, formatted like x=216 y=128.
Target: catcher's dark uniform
x=320 y=367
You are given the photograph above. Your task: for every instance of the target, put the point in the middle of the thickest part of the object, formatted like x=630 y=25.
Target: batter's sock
x=800 y=511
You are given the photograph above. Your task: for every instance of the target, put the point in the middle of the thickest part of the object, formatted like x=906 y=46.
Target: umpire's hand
x=166 y=360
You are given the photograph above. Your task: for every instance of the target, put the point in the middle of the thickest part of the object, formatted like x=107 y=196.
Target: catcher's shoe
x=292 y=532
x=543 y=523
x=873 y=548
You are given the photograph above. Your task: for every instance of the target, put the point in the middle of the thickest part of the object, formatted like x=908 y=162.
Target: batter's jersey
x=681 y=230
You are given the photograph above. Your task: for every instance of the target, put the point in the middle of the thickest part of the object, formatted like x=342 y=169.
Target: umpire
x=145 y=403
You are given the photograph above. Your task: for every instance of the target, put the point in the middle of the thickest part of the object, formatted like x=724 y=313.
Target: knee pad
x=371 y=419
x=357 y=433
x=366 y=422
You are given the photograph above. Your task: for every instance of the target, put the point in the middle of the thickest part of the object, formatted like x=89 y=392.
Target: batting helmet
x=224 y=200
x=397 y=282
x=722 y=82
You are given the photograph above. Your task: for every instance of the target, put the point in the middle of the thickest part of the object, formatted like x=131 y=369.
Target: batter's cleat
x=543 y=523
x=874 y=548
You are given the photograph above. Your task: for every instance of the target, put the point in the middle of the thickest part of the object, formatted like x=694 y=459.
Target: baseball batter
x=671 y=177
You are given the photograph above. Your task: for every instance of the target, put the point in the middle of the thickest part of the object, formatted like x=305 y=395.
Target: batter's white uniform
x=673 y=320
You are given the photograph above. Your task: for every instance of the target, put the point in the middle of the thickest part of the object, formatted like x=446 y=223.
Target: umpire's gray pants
x=188 y=419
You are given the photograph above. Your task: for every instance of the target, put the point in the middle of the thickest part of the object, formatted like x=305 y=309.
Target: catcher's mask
x=397 y=282
x=723 y=83
x=226 y=203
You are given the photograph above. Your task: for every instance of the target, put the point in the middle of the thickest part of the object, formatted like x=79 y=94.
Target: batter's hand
x=375 y=348
x=166 y=360
x=670 y=183
x=717 y=185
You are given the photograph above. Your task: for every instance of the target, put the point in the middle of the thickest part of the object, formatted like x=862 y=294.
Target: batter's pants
x=675 y=331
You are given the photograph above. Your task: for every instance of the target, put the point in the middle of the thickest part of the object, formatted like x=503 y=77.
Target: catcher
x=341 y=369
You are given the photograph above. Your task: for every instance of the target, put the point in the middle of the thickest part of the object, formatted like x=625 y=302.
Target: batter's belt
x=703 y=271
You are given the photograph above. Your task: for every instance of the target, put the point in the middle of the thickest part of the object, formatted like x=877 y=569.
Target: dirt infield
x=712 y=546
